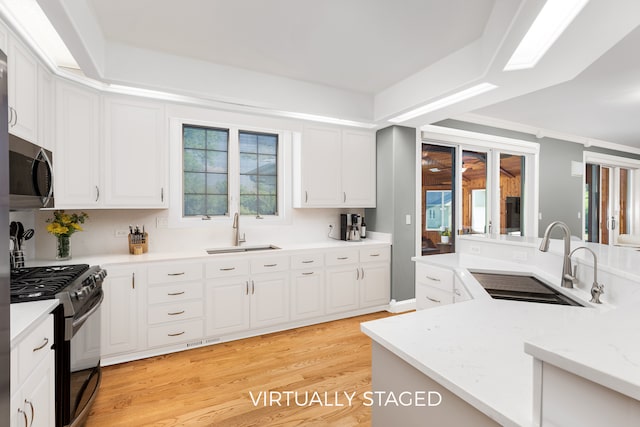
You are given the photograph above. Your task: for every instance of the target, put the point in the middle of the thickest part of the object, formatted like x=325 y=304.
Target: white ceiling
x=368 y=60
x=358 y=45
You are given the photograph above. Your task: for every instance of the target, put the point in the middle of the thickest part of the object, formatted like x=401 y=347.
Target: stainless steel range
x=77 y=331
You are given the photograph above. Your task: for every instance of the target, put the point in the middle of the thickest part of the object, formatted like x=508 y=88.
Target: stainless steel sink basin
x=240 y=249
x=515 y=287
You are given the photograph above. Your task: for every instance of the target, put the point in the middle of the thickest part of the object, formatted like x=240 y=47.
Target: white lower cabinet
x=307 y=293
x=33 y=391
x=227 y=305
x=436 y=286
x=269 y=299
x=120 y=310
x=342 y=288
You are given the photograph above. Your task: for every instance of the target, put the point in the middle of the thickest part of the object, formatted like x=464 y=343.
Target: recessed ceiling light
x=444 y=102
x=434 y=170
x=553 y=19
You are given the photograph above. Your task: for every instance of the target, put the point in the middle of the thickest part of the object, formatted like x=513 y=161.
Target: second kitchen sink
x=515 y=287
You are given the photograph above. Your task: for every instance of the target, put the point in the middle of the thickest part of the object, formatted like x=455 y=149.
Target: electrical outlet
x=162 y=222
x=121 y=233
x=475 y=250
x=519 y=255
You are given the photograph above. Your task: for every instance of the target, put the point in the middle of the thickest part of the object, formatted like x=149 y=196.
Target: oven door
x=84 y=363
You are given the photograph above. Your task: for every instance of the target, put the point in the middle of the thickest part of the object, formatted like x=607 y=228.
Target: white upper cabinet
x=334 y=168
x=77 y=165
x=23 y=92
x=46 y=111
x=135 y=148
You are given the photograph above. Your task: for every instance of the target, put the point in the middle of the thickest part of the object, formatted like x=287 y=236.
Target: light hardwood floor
x=214 y=385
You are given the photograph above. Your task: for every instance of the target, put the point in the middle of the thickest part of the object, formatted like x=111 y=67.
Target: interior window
x=511 y=194
x=205 y=171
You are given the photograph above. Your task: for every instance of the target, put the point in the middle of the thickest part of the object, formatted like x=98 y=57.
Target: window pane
x=267 y=144
x=434 y=209
x=268 y=205
x=249 y=205
x=194 y=183
x=511 y=184
x=205 y=164
x=248 y=163
x=217 y=183
x=217 y=205
x=248 y=142
x=193 y=137
x=474 y=186
x=248 y=184
x=193 y=160
x=267 y=165
x=267 y=185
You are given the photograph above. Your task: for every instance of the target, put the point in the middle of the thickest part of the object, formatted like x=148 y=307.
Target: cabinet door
x=136 y=165
x=227 y=306
x=307 y=294
x=119 y=311
x=319 y=157
x=269 y=299
x=358 y=169
x=23 y=93
x=342 y=289
x=46 y=112
x=77 y=156
x=38 y=394
x=374 y=284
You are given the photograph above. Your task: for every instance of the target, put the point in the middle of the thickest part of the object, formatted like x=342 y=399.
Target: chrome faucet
x=567 y=277
x=596 y=289
x=236 y=231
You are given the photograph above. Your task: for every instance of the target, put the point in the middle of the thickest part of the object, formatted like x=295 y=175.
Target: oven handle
x=80 y=320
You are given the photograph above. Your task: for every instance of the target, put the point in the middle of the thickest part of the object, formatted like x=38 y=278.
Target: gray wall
x=560 y=193
x=396 y=198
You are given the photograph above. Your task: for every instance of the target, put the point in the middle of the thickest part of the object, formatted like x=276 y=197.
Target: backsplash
x=98 y=237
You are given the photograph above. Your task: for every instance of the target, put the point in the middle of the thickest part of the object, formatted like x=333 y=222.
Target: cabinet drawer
x=341 y=257
x=174 y=312
x=307 y=261
x=434 y=276
x=175 y=272
x=269 y=264
x=429 y=296
x=175 y=333
x=173 y=293
x=227 y=268
x=34 y=348
x=375 y=254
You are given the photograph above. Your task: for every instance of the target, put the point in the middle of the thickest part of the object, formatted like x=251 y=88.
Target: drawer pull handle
x=175 y=274
x=270 y=265
x=175 y=313
x=432 y=278
x=433 y=299
x=307 y=273
x=308 y=262
x=176 y=334
x=343 y=257
x=457 y=292
x=374 y=254
x=173 y=294
x=227 y=269
x=46 y=341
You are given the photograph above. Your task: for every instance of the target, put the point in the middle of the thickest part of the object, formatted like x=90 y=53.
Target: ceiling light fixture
x=444 y=102
x=553 y=19
x=434 y=170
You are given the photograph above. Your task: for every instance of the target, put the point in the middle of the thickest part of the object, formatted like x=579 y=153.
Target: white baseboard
x=402 y=306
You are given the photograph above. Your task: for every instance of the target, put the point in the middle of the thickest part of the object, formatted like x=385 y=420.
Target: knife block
x=138 y=244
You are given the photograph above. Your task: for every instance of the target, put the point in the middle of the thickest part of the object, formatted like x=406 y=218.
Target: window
x=258 y=173
x=205 y=171
x=438 y=210
x=227 y=169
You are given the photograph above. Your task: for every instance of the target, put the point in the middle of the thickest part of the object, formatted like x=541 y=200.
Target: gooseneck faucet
x=596 y=288
x=236 y=230
x=567 y=277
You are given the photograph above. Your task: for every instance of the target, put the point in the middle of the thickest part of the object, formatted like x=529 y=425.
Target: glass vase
x=63 y=248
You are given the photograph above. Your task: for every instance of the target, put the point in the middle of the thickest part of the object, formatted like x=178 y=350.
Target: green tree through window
x=258 y=173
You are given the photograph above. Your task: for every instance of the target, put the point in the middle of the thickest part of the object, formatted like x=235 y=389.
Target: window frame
x=176 y=203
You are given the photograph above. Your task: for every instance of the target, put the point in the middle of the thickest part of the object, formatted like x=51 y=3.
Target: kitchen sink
x=514 y=287
x=240 y=249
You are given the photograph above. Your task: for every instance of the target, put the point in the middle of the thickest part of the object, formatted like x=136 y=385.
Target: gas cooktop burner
x=38 y=283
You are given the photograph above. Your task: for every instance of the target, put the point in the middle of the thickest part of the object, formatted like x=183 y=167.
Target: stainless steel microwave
x=30 y=175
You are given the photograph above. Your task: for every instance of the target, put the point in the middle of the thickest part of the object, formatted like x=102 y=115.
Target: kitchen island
x=477 y=354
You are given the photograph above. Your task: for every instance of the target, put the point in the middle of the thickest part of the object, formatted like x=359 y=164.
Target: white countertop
x=476 y=349
x=125 y=258
x=25 y=316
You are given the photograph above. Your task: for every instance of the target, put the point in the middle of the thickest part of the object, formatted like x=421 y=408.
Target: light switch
x=407 y=219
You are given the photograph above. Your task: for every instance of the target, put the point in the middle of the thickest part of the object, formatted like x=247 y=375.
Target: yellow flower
x=63 y=224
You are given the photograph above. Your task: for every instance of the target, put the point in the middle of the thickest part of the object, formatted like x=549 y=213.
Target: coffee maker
x=350 y=227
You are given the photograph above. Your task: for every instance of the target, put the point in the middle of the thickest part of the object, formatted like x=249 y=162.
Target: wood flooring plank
x=214 y=385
